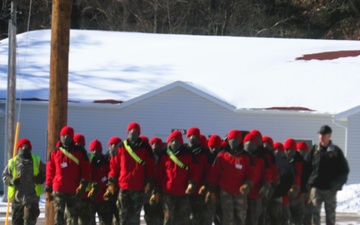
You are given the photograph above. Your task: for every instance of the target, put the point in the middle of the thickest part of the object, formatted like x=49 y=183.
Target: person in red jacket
x=212 y=196
x=175 y=181
x=266 y=151
x=79 y=139
x=132 y=171
x=113 y=144
x=199 y=213
x=294 y=195
x=100 y=168
x=67 y=175
x=276 y=211
x=153 y=213
x=262 y=180
x=232 y=172
x=85 y=204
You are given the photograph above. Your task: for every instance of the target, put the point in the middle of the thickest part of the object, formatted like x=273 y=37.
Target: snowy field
x=348 y=206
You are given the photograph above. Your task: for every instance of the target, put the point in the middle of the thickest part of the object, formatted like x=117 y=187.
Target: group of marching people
x=241 y=179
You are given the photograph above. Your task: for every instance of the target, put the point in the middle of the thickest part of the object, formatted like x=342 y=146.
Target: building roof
x=244 y=72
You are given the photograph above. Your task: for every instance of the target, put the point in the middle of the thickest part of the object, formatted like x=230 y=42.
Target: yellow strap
x=133 y=154
x=68 y=154
x=176 y=160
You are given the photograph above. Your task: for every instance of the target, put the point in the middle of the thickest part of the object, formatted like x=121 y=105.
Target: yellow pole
x=14 y=154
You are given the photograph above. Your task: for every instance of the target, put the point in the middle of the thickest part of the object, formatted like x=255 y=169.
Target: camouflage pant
x=176 y=209
x=24 y=214
x=264 y=215
x=218 y=213
x=253 y=211
x=234 y=208
x=285 y=219
x=86 y=212
x=317 y=197
x=130 y=204
x=104 y=211
x=64 y=201
x=114 y=212
x=201 y=212
x=297 y=211
x=112 y=201
x=275 y=211
x=308 y=208
x=154 y=214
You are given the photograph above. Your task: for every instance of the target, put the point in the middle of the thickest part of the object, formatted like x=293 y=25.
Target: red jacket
x=231 y=171
x=63 y=174
x=129 y=174
x=203 y=165
x=262 y=174
x=99 y=173
x=270 y=157
x=172 y=179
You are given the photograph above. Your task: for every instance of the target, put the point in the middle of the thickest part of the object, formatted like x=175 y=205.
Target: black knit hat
x=325 y=130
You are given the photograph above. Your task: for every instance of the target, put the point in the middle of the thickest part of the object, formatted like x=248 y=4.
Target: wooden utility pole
x=11 y=89
x=58 y=90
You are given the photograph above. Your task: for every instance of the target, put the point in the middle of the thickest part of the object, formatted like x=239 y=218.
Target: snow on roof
x=245 y=72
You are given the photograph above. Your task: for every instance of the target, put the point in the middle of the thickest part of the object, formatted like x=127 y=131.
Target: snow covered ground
x=348 y=206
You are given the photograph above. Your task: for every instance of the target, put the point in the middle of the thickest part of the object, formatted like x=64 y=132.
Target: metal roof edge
x=282 y=112
x=184 y=85
x=347 y=113
x=70 y=103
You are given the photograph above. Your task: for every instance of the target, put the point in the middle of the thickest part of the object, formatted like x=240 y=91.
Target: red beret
x=95 y=144
x=256 y=133
x=79 y=138
x=193 y=131
x=175 y=134
x=234 y=134
x=302 y=146
x=133 y=125
x=279 y=145
x=290 y=144
x=214 y=141
x=67 y=130
x=268 y=140
x=156 y=140
x=203 y=141
x=24 y=141
x=251 y=138
x=144 y=139
x=114 y=140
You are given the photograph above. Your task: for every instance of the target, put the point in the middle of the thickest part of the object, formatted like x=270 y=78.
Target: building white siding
x=177 y=108
x=33 y=125
x=353 y=153
x=174 y=109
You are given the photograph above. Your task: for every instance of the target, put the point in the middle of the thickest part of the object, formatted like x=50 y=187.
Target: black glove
x=264 y=190
x=293 y=192
x=95 y=188
x=80 y=190
x=15 y=181
x=38 y=179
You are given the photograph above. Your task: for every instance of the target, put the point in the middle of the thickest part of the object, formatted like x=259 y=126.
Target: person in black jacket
x=325 y=172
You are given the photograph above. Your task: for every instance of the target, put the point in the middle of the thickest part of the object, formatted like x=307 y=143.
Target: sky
x=245 y=72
